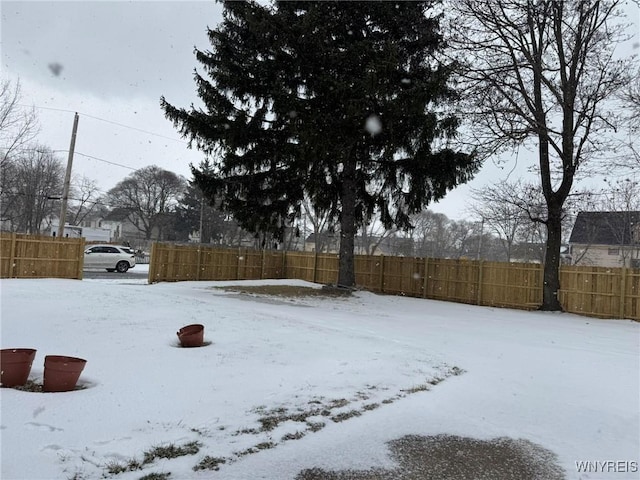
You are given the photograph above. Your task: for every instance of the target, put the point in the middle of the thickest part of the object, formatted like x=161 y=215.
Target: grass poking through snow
x=209 y=463
x=156 y=476
x=171 y=451
x=162 y=451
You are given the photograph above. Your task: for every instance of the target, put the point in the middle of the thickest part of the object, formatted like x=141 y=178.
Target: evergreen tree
x=342 y=101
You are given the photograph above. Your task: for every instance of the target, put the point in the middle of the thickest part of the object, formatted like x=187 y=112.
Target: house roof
x=605 y=228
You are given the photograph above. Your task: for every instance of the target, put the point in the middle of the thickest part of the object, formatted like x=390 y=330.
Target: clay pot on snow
x=15 y=364
x=191 y=335
x=62 y=373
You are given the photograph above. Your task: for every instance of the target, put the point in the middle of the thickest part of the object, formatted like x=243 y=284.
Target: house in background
x=90 y=234
x=606 y=239
x=124 y=231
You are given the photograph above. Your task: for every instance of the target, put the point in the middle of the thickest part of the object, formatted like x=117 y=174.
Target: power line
x=45 y=108
x=106 y=121
x=105 y=161
x=44 y=150
x=136 y=129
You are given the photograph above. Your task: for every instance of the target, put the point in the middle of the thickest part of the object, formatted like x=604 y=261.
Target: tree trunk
x=346 y=271
x=550 y=300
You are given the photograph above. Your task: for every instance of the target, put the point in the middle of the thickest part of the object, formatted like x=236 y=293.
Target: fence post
x=623 y=288
x=238 y=263
x=480 y=275
x=426 y=277
x=171 y=263
x=284 y=265
x=152 y=262
x=199 y=261
x=381 y=273
x=262 y=265
x=541 y=289
x=80 y=273
x=315 y=267
x=12 y=257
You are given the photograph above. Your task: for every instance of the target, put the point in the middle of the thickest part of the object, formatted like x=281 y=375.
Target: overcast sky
x=111 y=62
x=115 y=61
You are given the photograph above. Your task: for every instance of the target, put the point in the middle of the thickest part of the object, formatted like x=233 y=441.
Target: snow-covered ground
x=283 y=378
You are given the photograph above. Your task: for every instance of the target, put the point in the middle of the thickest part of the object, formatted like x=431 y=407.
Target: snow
x=373 y=125
x=567 y=383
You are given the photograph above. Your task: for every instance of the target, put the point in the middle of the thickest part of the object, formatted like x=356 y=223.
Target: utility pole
x=67 y=179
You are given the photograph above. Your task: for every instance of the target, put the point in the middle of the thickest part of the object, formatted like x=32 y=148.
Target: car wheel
x=111 y=270
x=122 y=267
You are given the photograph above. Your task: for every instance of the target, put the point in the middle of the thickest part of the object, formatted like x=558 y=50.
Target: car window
x=111 y=250
x=95 y=250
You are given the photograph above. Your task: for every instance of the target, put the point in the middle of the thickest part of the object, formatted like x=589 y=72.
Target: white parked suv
x=110 y=257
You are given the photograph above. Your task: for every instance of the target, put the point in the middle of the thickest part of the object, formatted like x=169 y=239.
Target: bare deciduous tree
x=541 y=72
x=463 y=239
x=18 y=125
x=147 y=198
x=629 y=160
x=430 y=234
x=31 y=181
x=84 y=200
x=631 y=98
x=502 y=212
x=321 y=222
x=372 y=236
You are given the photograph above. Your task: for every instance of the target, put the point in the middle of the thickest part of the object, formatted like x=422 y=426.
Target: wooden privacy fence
x=601 y=291
x=31 y=256
x=593 y=291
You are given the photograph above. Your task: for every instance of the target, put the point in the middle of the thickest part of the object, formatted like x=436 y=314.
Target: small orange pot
x=15 y=364
x=191 y=335
x=62 y=373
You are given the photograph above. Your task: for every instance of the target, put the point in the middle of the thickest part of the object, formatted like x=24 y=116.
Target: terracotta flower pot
x=191 y=335
x=61 y=373
x=15 y=364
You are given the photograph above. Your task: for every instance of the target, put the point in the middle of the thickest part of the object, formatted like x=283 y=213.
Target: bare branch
x=18 y=125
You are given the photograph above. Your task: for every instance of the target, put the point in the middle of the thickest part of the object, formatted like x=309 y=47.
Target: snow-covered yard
x=291 y=384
